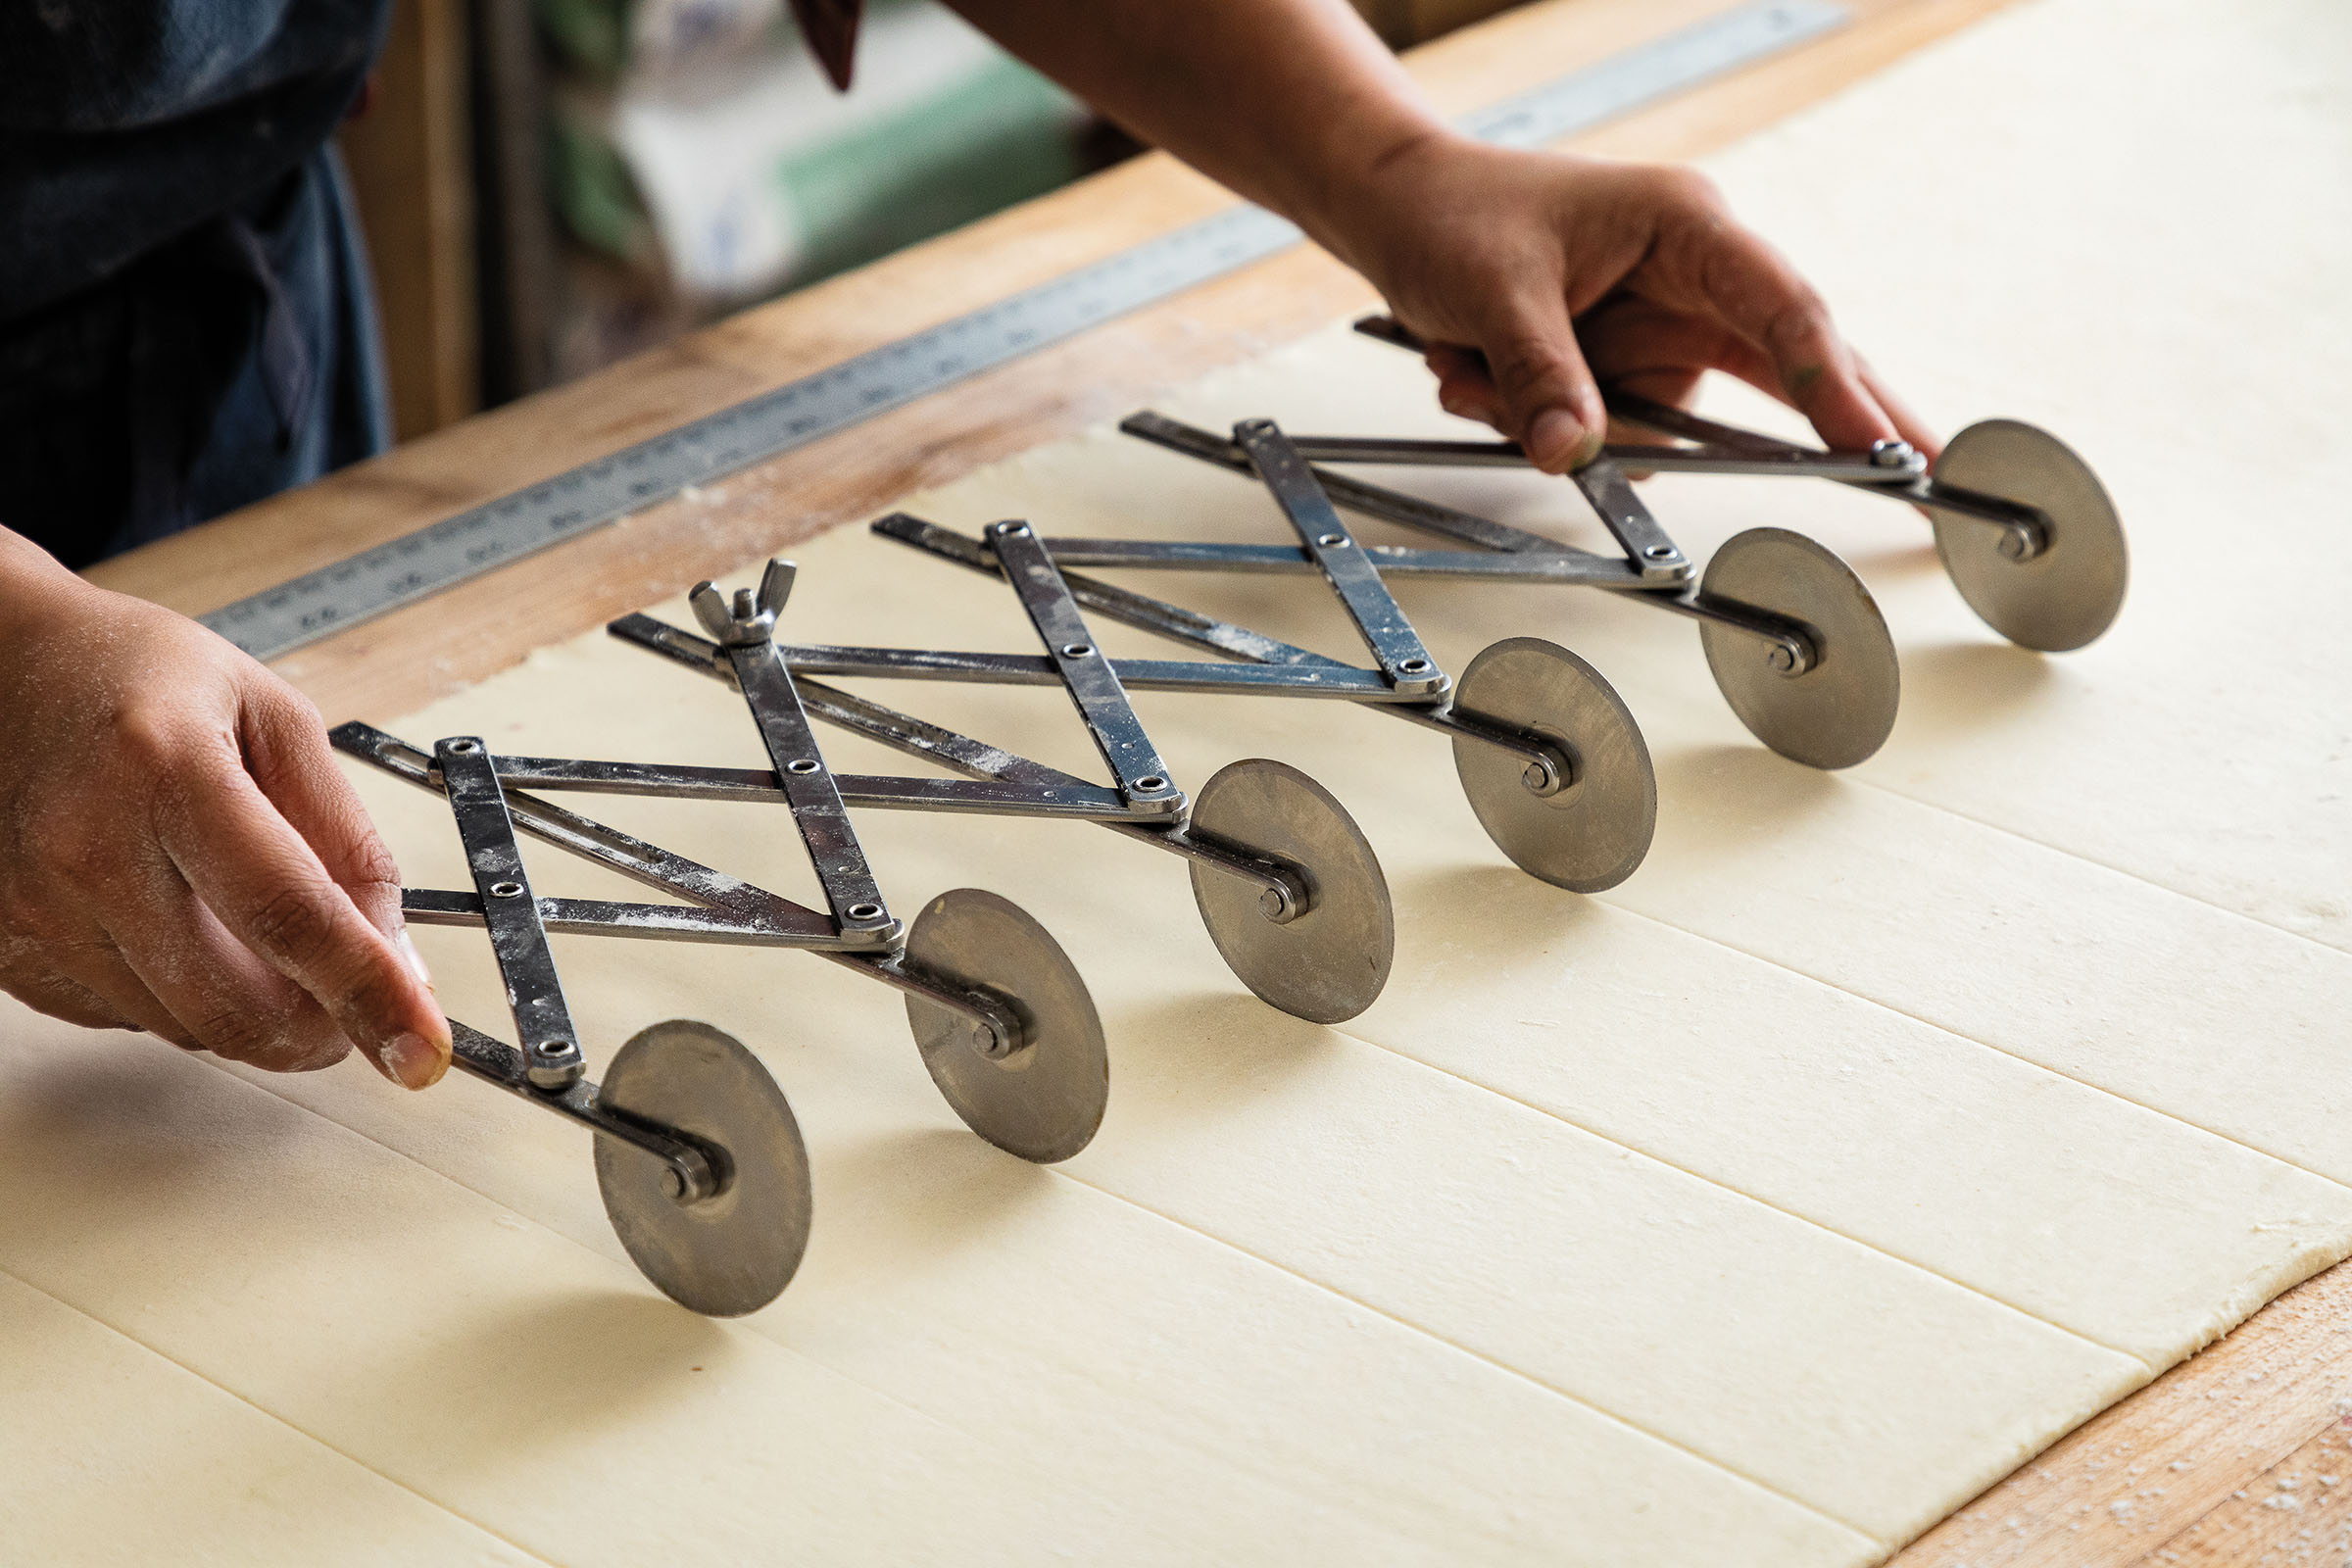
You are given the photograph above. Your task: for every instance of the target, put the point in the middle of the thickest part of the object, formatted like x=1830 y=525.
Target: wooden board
x=2225 y=1459
x=2259 y=1409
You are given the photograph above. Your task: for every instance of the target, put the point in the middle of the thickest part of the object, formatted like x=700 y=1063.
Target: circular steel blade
x=1839 y=710
x=1592 y=833
x=1330 y=963
x=2072 y=589
x=732 y=1253
x=1044 y=1099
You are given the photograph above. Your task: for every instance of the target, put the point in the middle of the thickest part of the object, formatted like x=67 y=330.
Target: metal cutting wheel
x=1583 y=826
x=735 y=1251
x=1838 y=710
x=1044 y=1097
x=1324 y=963
x=2071 y=589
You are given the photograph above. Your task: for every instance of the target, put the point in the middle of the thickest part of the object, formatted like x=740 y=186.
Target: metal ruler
x=317 y=604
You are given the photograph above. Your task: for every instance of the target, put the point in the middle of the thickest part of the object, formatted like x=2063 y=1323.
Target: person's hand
x=179 y=852
x=1539 y=277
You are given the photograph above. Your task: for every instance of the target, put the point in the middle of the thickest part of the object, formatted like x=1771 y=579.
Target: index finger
x=271 y=890
x=1753 y=290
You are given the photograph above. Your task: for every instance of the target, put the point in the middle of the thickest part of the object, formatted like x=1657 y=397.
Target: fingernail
x=411 y=1062
x=412 y=959
x=1554 y=439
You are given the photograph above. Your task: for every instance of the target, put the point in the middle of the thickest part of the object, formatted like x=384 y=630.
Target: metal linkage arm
x=1520 y=556
x=1721 y=448
x=678 y=781
x=1891 y=468
x=1382 y=623
x=602 y=917
x=498 y=1064
x=1572 y=568
x=1310 y=675
x=591 y=840
x=1085 y=674
x=1719 y=454
x=1564 y=563
x=1034 y=670
x=1610 y=494
x=1667 y=420
x=551 y=1048
x=1121 y=604
x=746 y=628
x=1180 y=624
x=975 y=760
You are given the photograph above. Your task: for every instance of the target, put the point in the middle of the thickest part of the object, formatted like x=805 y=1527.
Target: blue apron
x=185 y=318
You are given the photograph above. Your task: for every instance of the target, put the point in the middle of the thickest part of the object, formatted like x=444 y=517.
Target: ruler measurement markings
x=539 y=515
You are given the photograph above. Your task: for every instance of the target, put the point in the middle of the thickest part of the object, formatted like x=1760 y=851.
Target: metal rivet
x=1272 y=904
x=1077 y=649
x=465 y=748
x=1414 y=666
x=1660 y=552
x=1014 y=530
x=1781 y=659
x=800 y=765
x=1150 y=782
x=506 y=890
x=673 y=1185
x=1550 y=775
x=865 y=912
x=1890 y=453
x=1331 y=541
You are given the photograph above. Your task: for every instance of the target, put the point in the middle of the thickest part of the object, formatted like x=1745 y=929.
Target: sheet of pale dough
x=93 y=1417
x=1881 y=1128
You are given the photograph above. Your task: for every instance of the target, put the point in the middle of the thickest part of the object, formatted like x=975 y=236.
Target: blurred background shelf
x=551 y=185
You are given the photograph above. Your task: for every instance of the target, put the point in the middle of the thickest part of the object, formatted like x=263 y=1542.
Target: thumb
x=1554 y=407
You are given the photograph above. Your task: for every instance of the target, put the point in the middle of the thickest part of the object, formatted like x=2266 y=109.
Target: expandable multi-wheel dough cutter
x=698 y=1156
x=701 y=1163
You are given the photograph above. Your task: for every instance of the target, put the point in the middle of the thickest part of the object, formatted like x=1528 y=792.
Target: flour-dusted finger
x=286 y=751
x=1550 y=402
x=1756 y=293
x=228 y=1000
x=85 y=968
x=45 y=991
x=273 y=893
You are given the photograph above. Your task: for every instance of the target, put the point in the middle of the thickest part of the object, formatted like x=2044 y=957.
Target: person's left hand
x=1538 y=277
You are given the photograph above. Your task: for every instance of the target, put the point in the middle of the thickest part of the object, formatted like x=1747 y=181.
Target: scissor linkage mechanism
x=699 y=1158
x=1290 y=891
x=1551 y=761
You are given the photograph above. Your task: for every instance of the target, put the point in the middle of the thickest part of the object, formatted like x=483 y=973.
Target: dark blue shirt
x=184 y=316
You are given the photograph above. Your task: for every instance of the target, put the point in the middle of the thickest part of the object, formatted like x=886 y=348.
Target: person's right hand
x=179 y=851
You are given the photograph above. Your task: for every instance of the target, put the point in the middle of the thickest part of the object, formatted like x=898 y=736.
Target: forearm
x=1294 y=103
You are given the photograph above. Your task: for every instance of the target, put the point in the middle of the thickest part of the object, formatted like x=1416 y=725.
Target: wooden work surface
x=2240 y=1455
